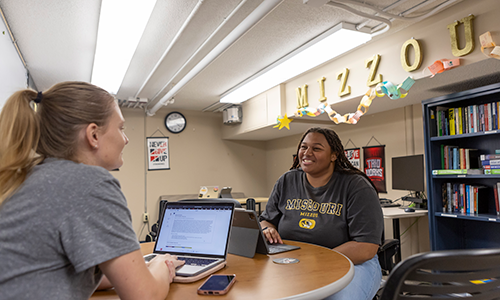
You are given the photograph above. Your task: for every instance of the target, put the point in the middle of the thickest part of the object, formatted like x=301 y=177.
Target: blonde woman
x=65 y=228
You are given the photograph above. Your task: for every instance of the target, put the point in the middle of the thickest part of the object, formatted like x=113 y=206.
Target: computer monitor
x=408 y=173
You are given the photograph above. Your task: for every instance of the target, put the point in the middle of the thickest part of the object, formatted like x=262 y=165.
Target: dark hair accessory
x=38 y=98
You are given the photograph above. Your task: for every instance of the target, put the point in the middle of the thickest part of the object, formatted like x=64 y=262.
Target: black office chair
x=386 y=253
x=446 y=274
x=237 y=204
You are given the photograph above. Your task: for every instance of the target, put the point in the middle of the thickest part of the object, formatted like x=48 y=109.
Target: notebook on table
x=247 y=237
x=197 y=233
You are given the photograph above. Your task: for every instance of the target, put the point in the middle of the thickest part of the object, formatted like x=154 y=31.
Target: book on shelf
x=444 y=197
x=471 y=158
x=453 y=157
x=489 y=156
x=457 y=172
x=494 y=116
x=491 y=171
x=474 y=119
x=464 y=198
x=466 y=119
x=451 y=120
x=487 y=116
x=480 y=109
x=492 y=162
x=459 y=120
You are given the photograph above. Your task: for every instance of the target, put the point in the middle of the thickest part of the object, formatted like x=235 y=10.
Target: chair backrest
x=386 y=253
x=237 y=204
x=473 y=273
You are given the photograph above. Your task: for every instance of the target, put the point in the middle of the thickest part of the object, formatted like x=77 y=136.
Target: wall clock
x=175 y=122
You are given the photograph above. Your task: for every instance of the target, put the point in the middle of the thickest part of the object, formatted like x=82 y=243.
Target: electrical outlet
x=145 y=217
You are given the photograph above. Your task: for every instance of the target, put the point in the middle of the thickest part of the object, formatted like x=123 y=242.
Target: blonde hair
x=27 y=137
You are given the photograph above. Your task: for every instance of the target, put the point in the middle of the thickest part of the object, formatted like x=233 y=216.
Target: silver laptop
x=196 y=232
x=247 y=236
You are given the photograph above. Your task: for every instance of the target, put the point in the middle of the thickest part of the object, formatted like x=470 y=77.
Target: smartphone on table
x=217 y=284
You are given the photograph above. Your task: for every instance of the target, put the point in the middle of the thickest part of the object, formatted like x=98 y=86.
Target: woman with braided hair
x=324 y=200
x=65 y=228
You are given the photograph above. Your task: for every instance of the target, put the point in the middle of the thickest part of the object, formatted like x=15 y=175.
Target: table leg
x=395 y=231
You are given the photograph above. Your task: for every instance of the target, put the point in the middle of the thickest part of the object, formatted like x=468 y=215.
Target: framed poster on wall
x=374 y=165
x=353 y=156
x=158 y=155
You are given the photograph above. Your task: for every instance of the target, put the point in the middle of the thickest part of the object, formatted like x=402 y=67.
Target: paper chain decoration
x=487 y=42
x=439 y=66
x=384 y=88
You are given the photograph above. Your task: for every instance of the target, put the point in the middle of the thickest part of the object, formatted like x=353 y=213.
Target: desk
x=258 y=201
x=395 y=213
x=320 y=273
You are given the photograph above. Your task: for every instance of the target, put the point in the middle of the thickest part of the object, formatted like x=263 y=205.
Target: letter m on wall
x=302 y=96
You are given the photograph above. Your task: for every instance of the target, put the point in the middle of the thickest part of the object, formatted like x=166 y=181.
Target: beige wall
x=198 y=156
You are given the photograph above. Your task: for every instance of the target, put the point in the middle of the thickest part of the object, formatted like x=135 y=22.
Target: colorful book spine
x=494 y=119
x=489 y=156
x=471 y=119
x=491 y=167
x=491 y=162
x=481 y=117
x=458 y=172
x=438 y=123
x=451 y=121
x=474 y=116
x=462 y=158
x=491 y=171
x=460 y=121
x=449 y=194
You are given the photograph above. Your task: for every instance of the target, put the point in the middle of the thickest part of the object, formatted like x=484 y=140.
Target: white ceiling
x=57 y=39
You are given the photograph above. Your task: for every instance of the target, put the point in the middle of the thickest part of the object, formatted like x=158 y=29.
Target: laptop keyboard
x=196 y=261
x=276 y=249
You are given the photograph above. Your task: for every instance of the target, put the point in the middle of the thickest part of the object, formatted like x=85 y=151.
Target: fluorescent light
x=336 y=41
x=121 y=25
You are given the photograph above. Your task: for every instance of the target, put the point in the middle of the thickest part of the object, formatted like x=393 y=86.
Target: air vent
x=140 y=103
x=217 y=107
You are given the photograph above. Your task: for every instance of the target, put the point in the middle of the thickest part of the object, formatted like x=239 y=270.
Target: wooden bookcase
x=457 y=230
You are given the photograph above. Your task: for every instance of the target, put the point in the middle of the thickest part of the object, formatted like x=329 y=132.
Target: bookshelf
x=455 y=229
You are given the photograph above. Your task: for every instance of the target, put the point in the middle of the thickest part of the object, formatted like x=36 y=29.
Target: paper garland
x=487 y=42
x=439 y=66
x=385 y=88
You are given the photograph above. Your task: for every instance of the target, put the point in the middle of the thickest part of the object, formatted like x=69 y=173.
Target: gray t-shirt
x=345 y=209
x=63 y=221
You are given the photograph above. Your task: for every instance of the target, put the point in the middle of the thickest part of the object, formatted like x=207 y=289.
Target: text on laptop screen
x=195 y=229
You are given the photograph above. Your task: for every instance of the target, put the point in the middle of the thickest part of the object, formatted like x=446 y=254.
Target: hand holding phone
x=217 y=285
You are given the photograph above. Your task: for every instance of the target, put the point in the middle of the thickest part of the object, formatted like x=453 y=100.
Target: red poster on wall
x=353 y=156
x=374 y=165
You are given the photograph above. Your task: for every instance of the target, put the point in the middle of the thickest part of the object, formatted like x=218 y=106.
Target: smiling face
x=315 y=155
x=112 y=141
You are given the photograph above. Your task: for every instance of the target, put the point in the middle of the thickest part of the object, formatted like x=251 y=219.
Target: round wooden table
x=319 y=273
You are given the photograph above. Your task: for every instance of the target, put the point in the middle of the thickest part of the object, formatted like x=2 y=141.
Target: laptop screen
x=195 y=228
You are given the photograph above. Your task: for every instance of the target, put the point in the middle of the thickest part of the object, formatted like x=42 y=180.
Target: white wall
x=13 y=75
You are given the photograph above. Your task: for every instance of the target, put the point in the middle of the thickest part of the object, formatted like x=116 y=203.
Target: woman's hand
x=272 y=235
x=170 y=260
x=270 y=232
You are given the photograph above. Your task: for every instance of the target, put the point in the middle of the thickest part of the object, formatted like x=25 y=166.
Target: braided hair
x=342 y=164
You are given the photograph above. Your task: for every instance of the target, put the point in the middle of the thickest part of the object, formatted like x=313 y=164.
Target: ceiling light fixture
x=121 y=24
x=341 y=38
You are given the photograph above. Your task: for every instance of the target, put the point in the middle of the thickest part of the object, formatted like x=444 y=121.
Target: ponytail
x=28 y=136
x=19 y=135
